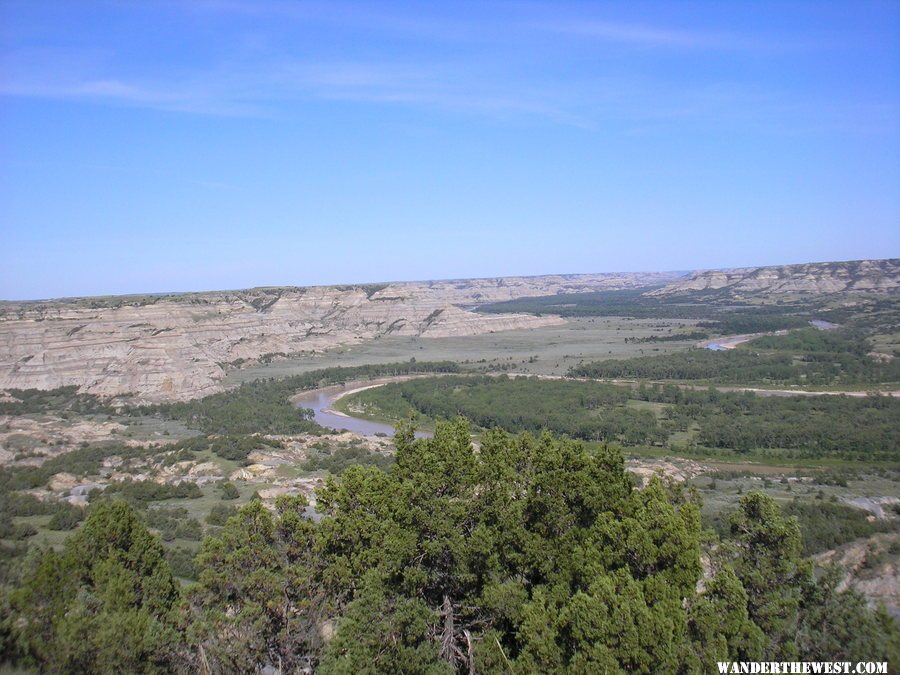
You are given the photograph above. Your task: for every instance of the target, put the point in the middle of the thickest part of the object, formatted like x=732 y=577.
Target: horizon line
x=358 y=284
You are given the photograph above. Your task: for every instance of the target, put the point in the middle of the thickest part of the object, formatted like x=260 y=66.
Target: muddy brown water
x=321 y=402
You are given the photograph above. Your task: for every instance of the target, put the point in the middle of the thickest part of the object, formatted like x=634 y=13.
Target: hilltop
x=855 y=276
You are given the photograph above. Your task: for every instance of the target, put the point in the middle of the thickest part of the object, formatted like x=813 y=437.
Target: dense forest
x=862 y=428
x=635 y=303
x=805 y=357
x=530 y=555
x=716 y=311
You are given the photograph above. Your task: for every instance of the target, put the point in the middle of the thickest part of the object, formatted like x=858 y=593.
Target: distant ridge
x=854 y=276
x=179 y=346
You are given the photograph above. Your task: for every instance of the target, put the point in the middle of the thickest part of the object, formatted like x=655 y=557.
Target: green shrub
x=66 y=517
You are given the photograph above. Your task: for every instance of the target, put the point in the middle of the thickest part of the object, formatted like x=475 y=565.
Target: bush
x=220 y=514
x=189 y=529
x=148 y=491
x=229 y=491
x=343 y=458
x=181 y=560
x=826 y=525
x=66 y=517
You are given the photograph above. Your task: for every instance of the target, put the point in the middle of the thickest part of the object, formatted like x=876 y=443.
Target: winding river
x=321 y=402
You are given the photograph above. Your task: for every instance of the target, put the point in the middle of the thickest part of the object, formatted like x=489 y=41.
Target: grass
x=557 y=348
x=656 y=408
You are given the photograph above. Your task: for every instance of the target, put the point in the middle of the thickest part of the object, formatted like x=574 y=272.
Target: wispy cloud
x=503 y=79
x=454 y=87
x=653 y=36
x=622 y=102
x=175 y=98
x=637 y=34
x=365 y=17
x=269 y=88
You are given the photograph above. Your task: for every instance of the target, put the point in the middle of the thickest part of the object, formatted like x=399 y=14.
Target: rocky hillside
x=861 y=276
x=167 y=347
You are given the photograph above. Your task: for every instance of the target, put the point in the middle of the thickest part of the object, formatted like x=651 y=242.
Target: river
x=321 y=402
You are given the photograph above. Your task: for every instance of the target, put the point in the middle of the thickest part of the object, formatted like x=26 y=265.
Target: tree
x=837 y=625
x=220 y=513
x=258 y=601
x=765 y=555
x=529 y=555
x=108 y=601
x=720 y=625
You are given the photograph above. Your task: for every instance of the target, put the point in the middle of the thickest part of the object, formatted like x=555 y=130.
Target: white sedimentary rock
x=863 y=276
x=176 y=347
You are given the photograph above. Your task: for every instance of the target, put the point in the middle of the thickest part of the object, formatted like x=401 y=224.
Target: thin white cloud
x=658 y=37
x=628 y=104
x=357 y=16
x=634 y=34
x=116 y=91
x=266 y=83
x=271 y=88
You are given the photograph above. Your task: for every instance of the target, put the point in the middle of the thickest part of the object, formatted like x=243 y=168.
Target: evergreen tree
x=106 y=603
x=257 y=601
x=766 y=558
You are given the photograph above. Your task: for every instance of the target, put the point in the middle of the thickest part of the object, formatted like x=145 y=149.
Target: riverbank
x=322 y=403
x=326 y=413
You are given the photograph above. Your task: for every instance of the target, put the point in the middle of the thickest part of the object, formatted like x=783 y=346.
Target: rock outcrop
x=858 y=276
x=175 y=347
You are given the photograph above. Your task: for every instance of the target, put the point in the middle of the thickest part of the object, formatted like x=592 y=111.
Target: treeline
x=714 y=311
x=529 y=555
x=56 y=401
x=263 y=406
x=858 y=428
x=814 y=341
x=753 y=321
x=862 y=428
x=235 y=447
x=146 y=491
x=585 y=410
x=673 y=337
x=788 y=361
x=872 y=314
x=725 y=319
x=854 y=428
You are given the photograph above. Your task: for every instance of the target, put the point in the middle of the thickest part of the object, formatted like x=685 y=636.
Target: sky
x=160 y=146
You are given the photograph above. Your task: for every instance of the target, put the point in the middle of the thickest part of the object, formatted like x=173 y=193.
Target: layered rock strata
x=857 y=276
x=175 y=347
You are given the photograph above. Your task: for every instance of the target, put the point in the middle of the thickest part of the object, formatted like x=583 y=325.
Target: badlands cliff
x=173 y=347
x=857 y=276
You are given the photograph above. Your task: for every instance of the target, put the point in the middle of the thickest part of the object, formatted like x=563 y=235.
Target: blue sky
x=211 y=144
